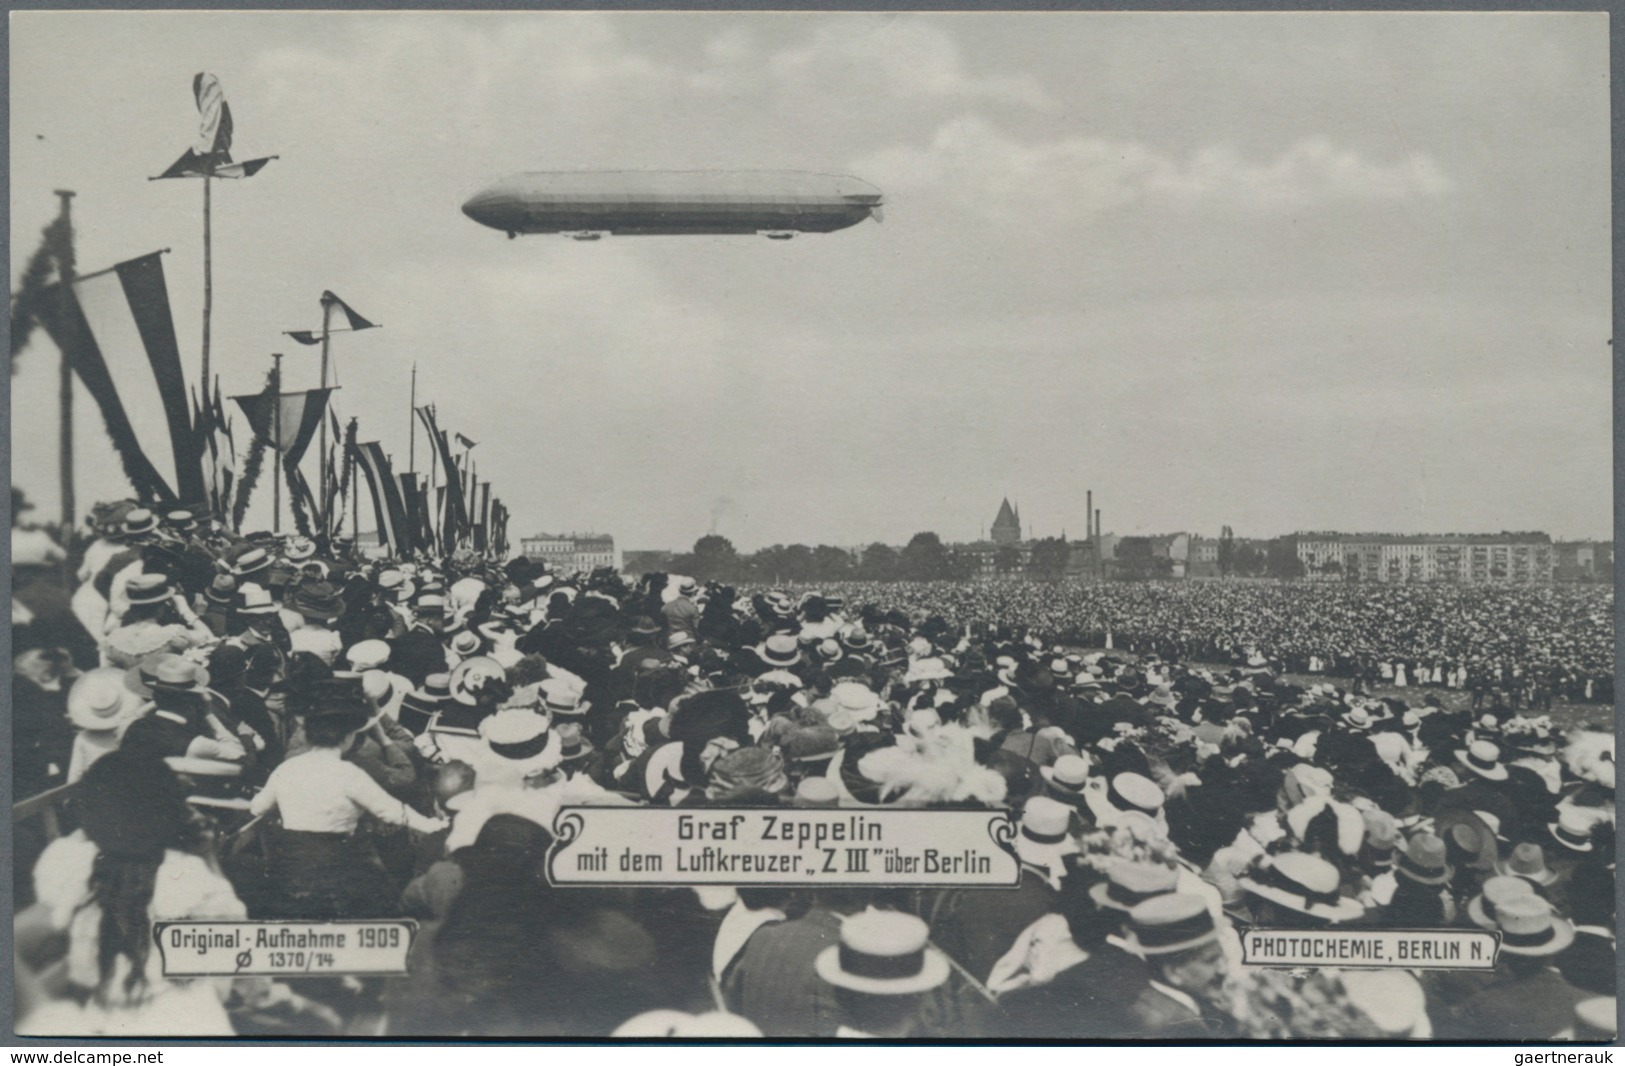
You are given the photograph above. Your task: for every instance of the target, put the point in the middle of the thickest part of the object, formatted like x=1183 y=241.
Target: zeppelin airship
x=587 y=205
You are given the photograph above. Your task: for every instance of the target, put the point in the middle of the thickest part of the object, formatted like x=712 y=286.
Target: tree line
x=924 y=558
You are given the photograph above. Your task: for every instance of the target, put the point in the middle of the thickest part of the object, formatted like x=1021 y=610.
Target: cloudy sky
x=1279 y=272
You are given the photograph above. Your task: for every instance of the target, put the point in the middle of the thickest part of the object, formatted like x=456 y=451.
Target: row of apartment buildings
x=569 y=552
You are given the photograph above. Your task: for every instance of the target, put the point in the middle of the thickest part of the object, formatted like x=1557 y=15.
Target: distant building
x=1583 y=560
x=1006 y=525
x=1464 y=558
x=570 y=552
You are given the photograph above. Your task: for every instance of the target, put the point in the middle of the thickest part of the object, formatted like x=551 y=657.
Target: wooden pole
x=412 y=425
x=355 y=500
x=208 y=272
x=65 y=276
x=327 y=311
x=276 y=456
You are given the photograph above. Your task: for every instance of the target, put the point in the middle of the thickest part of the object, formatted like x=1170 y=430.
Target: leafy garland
x=256 y=453
x=296 y=500
x=29 y=303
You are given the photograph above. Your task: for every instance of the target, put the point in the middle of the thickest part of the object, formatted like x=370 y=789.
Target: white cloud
x=912 y=59
x=1075 y=178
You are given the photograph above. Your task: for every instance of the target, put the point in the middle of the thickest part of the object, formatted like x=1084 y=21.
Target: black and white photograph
x=548 y=526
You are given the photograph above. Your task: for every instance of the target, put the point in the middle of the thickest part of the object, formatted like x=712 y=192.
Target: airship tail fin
x=877 y=213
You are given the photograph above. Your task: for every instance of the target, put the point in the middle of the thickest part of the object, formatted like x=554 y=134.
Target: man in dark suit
x=1528 y=999
x=1187 y=969
x=1588 y=963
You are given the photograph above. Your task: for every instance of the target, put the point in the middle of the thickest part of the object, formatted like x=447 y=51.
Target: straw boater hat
x=1304 y=883
x=852 y=702
x=1572 y=829
x=560 y=697
x=149 y=589
x=1496 y=893
x=1484 y=759
x=855 y=638
x=298 y=549
x=1044 y=837
x=465 y=644
x=816 y=792
x=779 y=650
x=101 y=701
x=573 y=747
x=518 y=743
x=1170 y=923
x=419 y=706
x=1528 y=927
x=471 y=675
x=1127 y=792
x=1529 y=862
x=255 y=599
x=1129 y=884
x=1067 y=778
x=883 y=953
x=368 y=655
x=249 y=563
x=140 y=522
x=932 y=669
x=1469 y=835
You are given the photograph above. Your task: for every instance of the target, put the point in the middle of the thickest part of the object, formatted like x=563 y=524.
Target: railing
x=44 y=806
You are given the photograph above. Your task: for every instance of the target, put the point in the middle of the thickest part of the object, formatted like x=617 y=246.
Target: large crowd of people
x=268 y=727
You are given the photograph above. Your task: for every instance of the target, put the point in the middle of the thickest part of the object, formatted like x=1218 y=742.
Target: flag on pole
x=386 y=497
x=314 y=336
x=117 y=333
x=300 y=414
x=210 y=154
x=465 y=442
x=357 y=323
x=454 y=516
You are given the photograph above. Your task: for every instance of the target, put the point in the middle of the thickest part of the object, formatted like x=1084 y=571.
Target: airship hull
x=664 y=203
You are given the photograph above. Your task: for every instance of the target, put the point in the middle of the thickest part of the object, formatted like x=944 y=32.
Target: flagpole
x=355 y=501
x=208 y=270
x=64 y=270
x=412 y=425
x=276 y=459
x=327 y=314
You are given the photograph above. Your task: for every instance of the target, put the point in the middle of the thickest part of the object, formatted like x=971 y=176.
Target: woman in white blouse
x=323 y=861
x=131 y=864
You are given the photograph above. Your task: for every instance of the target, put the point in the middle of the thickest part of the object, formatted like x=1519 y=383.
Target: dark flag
x=386 y=497
x=300 y=414
x=465 y=442
x=210 y=155
x=108 y=310
x=454 y=517
x=357 y=323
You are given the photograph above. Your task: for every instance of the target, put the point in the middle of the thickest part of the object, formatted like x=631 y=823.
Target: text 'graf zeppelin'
x=738 y=846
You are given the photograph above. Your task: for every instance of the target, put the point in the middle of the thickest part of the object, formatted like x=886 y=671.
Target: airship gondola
x=587 y=205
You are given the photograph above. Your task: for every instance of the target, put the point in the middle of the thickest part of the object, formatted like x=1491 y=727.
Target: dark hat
x=747 y=769
x=223 y=590
x=814 y=743
x=318 y=600
x=644 y=626
x=131 y=805
x=1423 y=860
